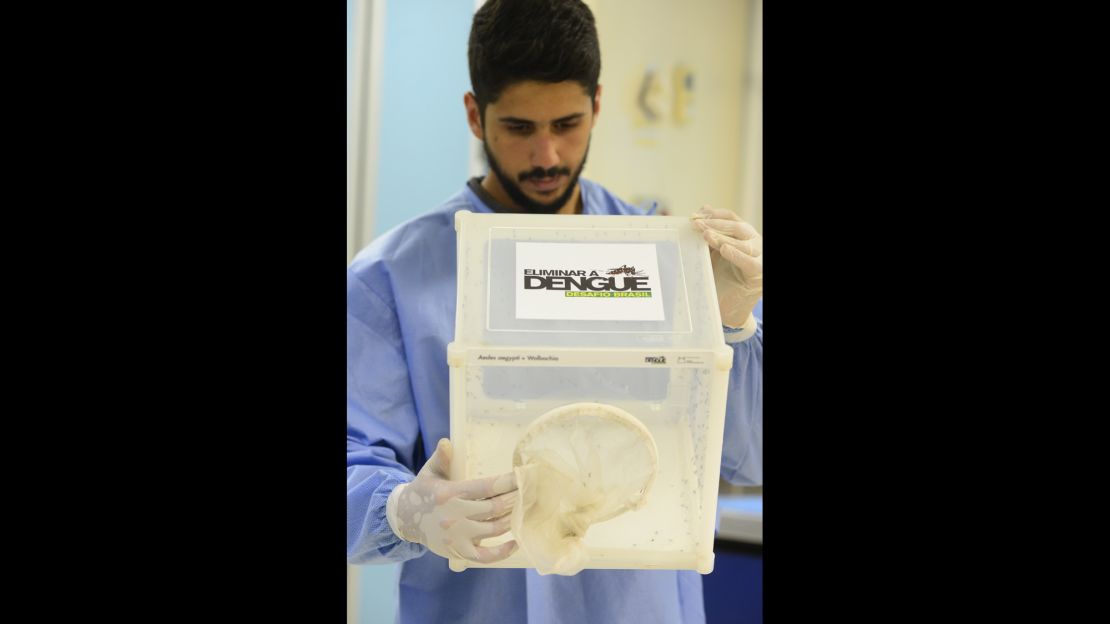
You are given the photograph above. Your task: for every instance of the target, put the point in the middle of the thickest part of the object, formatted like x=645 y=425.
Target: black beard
x=522 y=201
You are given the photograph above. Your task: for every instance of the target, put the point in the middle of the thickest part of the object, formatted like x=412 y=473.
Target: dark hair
x=546 y=40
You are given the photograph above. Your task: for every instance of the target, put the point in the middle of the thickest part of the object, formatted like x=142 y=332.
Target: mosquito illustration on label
x=624 y=269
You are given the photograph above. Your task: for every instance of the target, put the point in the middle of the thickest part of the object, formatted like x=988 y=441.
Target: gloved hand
x=451 y=517
x=736 y=251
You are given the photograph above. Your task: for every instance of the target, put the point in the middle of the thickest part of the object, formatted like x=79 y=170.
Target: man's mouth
x=546 y=184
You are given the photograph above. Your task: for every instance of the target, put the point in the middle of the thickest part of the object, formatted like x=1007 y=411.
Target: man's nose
x=545 y=153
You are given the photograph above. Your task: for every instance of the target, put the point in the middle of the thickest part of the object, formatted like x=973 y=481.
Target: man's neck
x=493 y=186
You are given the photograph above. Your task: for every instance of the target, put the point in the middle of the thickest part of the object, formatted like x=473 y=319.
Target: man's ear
x=597 y=105
x=473 y=117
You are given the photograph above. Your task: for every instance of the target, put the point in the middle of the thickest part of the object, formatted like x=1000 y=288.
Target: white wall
x=697 y=148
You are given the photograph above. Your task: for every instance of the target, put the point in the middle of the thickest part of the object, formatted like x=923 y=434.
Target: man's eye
x=562 y=127
x=519 y=128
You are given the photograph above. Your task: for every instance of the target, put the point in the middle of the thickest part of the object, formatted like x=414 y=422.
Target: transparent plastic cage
x=524 y=347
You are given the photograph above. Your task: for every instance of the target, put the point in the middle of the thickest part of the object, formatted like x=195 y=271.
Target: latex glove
x=736 y=251
x=451 y=517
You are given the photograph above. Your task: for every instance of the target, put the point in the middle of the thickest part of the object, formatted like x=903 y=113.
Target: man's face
x=536 y=137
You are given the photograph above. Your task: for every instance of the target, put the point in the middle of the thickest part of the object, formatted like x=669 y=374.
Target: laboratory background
x=680 y=126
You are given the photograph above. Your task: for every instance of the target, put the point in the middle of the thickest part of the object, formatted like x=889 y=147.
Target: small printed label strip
x=545 y=357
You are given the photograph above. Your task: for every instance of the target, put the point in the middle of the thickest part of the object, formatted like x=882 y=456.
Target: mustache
x=539 y=172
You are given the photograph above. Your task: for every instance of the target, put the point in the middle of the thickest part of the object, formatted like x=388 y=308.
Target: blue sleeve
x=382 y=427
x=742 y=457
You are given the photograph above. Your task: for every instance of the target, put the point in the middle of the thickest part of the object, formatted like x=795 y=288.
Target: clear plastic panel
x=671 y=403
x=489 y=282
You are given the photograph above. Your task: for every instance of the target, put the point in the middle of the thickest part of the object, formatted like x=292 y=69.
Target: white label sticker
x=588 y=282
